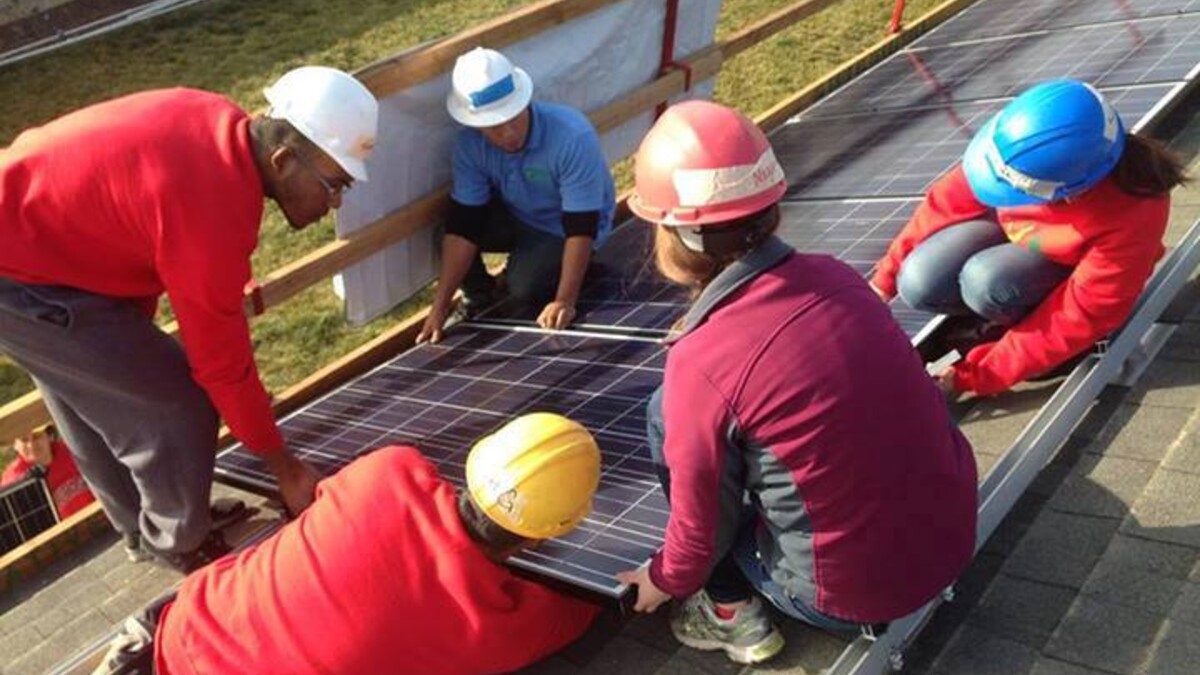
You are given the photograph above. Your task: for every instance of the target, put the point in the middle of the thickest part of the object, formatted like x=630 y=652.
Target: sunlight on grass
x=239 y=47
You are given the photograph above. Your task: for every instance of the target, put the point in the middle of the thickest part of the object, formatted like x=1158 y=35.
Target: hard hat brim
x=496 y=113
x=989 y=188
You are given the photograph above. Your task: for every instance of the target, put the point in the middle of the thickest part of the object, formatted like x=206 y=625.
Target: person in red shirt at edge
x=1045 y=233
x=105 y=209
x=42 y=452
x=805 y=453
x=391 y=570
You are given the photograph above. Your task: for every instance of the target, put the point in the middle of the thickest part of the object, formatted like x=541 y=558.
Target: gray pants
x=142 y=432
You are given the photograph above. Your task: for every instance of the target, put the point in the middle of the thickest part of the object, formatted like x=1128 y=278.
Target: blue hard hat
x=1055 y=140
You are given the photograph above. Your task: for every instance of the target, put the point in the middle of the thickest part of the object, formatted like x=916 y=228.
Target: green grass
x=238 y=47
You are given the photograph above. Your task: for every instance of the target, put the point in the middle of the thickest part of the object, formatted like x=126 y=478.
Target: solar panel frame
x=26 y=509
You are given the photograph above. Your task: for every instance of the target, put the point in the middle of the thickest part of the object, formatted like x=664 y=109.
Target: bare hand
x=879 y=291
x=945 y=381
x=557 y=315
x=431 y=332
x=297 y=480
x=649 y=597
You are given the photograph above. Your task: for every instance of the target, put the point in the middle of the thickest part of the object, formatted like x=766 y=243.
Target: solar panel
x=26 y=509
x=990 y=18
x=1150 y=51
x=442 y=398
x=899 y=153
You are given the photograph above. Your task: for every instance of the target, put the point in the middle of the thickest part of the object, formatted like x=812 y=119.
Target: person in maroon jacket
x=42 y=451
x=107 y=208
x=391 y=570
x=1040 y=241
x=790 y=387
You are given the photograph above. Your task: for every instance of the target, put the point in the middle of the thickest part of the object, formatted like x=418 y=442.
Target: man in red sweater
x=391 y=570
x=42 y=451
x=107 y=208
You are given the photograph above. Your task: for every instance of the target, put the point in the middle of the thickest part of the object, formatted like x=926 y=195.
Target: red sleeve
x=697 y=417
x=15 y=471
x=204 y=263
x=947 y=202
x=1094 y=301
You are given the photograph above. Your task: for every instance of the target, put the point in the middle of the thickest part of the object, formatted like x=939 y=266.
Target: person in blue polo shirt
x=529 y=179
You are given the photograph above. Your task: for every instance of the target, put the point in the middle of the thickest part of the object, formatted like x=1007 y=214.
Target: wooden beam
x=780 y=20
x=424 y=63
x=20 y=415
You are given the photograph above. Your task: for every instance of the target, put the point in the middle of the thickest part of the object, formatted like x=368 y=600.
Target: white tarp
x=586 y=63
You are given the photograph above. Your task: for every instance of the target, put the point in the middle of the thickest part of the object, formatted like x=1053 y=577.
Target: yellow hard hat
x=536 y=475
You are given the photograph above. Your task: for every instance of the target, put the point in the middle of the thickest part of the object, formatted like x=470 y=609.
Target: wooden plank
x=63 y=537
x=424 y=63
x=20 y=415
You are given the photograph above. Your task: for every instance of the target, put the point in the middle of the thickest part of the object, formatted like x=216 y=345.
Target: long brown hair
x=1147 y=168
x=694 y=269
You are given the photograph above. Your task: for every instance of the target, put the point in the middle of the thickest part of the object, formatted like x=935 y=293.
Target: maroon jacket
x=792 y=378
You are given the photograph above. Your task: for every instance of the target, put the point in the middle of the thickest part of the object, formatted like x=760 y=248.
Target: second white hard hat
x=330 y=108
x=487 y=89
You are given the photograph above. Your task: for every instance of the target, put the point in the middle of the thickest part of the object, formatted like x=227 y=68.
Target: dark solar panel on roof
x=1150 y=51
x=26 y=510
x=991 y=18
x=442 y=398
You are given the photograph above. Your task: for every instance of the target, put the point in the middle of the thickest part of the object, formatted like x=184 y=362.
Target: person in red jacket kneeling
x=1046 y=231
x=792 y=388
x=390 y=570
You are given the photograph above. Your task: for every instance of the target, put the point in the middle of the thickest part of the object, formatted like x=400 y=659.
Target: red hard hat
x=703 y=163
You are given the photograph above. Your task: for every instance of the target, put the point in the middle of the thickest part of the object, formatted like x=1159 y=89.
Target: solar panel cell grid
x=1149 y=51
x=25 y=511
x=442 y=398
x=1009 y=17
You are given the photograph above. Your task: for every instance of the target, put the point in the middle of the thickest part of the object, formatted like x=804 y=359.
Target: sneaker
x=132 y=543
x=228 y=511
x=749 y=637
x=212 y=548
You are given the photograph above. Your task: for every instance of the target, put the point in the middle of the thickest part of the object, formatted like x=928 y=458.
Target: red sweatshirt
x=149 y=193
x=1110 y=237
x=377 y=576
x=67 y=488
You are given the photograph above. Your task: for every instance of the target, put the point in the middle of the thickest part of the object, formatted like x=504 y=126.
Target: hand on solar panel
x=945 y=381
x=881 y=293
x=431 y=331
x=649 y=596
x=297 y=479
x=557 y=315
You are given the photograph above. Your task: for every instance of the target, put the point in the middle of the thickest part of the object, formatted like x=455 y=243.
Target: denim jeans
x=534 y=261
x=740 y=571
x=972 y=268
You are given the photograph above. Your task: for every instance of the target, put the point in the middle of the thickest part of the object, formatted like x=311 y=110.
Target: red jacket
x=149 y=193
x=1110 y=237
x=377 y=576
x=794 y=383
x=67 y=487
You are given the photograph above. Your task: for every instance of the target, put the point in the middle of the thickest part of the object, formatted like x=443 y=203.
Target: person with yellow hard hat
x=161 y=193
x=391 y=570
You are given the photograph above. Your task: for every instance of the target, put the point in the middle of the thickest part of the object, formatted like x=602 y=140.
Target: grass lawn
x=238 y=47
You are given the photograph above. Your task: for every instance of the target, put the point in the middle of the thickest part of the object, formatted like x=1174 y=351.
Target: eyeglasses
x=333 y=192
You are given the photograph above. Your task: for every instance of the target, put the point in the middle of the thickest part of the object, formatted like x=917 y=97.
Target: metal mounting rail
x=1040 y=440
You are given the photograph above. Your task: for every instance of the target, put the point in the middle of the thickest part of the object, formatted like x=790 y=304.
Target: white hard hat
x=487 y=89
x=332 y=109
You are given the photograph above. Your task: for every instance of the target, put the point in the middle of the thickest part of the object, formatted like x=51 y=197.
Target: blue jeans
x=740 y=572
x=534 y=261
x=972 y=268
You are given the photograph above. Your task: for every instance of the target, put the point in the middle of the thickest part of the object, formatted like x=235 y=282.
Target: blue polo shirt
x=561 y=168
